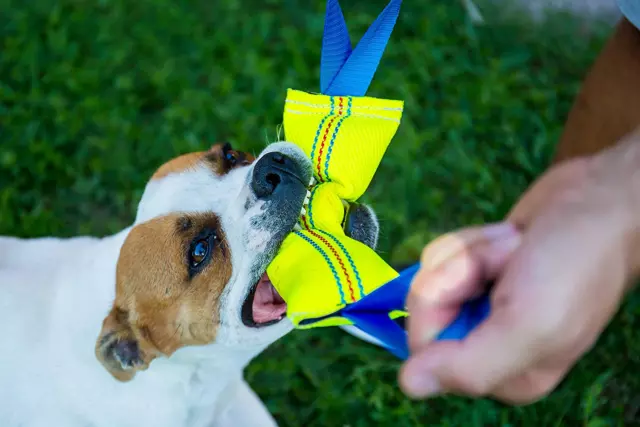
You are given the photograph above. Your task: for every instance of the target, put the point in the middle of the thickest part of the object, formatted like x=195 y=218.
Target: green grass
x=95 y=95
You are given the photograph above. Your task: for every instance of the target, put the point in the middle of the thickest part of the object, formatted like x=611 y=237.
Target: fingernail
x=422 y=386
x=443 y=282
x=444 y=256
x=449 y=246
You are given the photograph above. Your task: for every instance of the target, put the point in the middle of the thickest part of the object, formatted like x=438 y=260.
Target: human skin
x=567 y=249
x=563 y=261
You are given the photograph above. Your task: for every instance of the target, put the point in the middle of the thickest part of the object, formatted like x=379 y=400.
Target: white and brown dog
x=184 y=287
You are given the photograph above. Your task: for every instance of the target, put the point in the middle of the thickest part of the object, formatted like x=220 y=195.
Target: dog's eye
x=229 y=155
x=231 y=158
x=200 y=251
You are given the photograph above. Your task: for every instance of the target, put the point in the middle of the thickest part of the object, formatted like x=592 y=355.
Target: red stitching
x=306 y=224
x=335 y=253
x=324 y=137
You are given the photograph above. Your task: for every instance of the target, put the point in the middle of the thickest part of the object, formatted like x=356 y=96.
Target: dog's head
x=191 y=271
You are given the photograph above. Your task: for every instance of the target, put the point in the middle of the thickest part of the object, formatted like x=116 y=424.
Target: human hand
x=558 y=283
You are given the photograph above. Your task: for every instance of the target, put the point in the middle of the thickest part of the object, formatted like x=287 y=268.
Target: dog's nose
x=272 y=172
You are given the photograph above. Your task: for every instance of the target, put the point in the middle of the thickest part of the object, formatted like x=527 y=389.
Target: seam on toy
x=340 y=261
x=335 y=254
x=353 y=114
x=315 y=139
x=328 y=261
x=335 y=134
x=359 y=107
x=348 y=255
x=304 y=315
x=316 y=313
x=310 y=208
x=324 y=137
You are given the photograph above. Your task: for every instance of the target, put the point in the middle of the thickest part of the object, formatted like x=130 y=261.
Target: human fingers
x=437 y=294
x=495 y=351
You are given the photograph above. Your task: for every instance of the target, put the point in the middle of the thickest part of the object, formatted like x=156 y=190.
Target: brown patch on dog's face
x=170 y=275
x=221 y=158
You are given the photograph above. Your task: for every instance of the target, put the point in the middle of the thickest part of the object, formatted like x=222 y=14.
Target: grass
x=95 y=95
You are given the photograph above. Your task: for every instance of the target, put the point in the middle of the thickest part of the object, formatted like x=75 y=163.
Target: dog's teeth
x=312 y=182
x=303 y=211
x=297 y=227
x=308 y=194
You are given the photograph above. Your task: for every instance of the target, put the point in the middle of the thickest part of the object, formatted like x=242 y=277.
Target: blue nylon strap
x=346 y=72
x=336 y=45
x=370 y=314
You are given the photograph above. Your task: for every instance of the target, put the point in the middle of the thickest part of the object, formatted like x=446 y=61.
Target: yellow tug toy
x=325 y=277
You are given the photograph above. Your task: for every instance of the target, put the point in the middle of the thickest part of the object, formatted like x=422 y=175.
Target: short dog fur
x=145 y=328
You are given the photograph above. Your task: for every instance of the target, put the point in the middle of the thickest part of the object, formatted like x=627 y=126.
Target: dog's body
x=174 y=287
x=53 y=307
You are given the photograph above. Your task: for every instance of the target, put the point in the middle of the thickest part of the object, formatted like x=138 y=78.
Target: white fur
x=55 y=293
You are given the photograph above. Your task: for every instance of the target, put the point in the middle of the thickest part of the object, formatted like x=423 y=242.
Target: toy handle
x=392 y=296
x=472 y=313
x=345 y=71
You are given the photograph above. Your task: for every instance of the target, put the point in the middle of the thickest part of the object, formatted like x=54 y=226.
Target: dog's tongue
x=268 y=305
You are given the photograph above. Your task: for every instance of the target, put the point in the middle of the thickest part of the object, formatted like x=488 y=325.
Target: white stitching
x=370 y=116
x=359 y=107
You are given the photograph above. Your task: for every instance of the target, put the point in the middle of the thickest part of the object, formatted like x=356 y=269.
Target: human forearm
x=608 y=104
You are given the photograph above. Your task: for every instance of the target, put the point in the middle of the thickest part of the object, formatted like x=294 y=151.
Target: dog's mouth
x=264 y=306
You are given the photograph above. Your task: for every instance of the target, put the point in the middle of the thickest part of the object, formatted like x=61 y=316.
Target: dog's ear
x=361 y=224
x=118 y=348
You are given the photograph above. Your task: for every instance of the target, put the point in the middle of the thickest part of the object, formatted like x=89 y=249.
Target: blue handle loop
x=347 y=72
x=371 y=314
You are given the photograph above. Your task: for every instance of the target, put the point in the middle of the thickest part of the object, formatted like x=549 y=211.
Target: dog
x=153 y=326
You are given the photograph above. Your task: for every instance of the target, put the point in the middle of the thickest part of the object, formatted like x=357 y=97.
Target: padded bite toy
x=326 y=277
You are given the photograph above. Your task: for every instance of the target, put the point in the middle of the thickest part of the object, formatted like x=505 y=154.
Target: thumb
x=474 y=366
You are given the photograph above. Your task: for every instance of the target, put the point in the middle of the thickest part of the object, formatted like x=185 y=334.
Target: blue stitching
x=329 y=263
x=353 y=265
x=309 y=209
x=333 y=138
x=322 y=122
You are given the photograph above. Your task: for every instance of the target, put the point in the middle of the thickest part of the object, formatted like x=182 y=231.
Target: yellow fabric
x=319 y=270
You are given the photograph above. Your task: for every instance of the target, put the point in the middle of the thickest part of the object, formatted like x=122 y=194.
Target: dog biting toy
x=325 y=277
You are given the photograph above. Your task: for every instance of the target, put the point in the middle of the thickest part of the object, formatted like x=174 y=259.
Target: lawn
x=95 y=95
